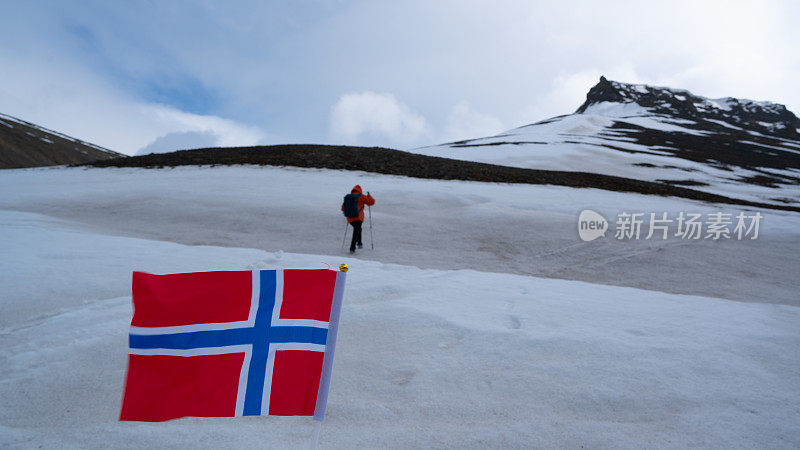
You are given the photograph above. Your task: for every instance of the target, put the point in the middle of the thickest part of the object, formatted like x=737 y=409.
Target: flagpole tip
x=343 y=267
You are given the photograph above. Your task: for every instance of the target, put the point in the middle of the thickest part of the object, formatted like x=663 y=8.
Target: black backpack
x=351 y=205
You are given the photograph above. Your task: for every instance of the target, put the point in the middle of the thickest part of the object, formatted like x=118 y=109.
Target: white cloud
x=195 y=131
x=86 y=69
x=368 y=117
x=464 y=123
x=180 y=141
x=568 y=91
x=228 y=133
x=80 y=103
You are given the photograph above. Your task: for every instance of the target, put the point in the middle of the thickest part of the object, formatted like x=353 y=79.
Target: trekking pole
x=344 y=238
x=371 y=237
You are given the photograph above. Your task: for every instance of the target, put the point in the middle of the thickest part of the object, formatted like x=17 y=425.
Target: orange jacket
x=362 y=200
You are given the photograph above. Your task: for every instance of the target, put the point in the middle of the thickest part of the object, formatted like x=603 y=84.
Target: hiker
x=353 y=209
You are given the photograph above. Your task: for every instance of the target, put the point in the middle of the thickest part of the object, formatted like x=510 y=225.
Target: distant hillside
x=23 y=144
x=727 y=146
x=396 y=162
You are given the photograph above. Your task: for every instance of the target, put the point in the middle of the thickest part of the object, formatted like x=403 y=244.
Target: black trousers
x=356 y=235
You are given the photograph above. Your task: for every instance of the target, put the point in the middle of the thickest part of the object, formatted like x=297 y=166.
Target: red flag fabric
x=236 y=343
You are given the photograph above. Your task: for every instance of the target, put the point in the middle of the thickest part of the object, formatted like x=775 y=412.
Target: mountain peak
x=765 y=117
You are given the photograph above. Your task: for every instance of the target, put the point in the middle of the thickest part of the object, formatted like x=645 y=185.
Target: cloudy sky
x=139 y=76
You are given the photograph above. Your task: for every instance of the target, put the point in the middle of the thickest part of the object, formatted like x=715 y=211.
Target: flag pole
x=330 y=344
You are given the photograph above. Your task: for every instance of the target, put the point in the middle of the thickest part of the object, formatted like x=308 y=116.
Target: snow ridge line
x=56 y=133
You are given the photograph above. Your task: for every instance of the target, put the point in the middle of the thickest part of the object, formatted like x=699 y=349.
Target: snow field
x=488 y=227
x=426 y=358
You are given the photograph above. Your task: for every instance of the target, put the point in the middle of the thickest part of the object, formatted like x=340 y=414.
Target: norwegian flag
x=223 y=344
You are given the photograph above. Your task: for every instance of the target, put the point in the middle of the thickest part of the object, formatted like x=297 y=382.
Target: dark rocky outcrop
x=23 y=144
x=764 y=117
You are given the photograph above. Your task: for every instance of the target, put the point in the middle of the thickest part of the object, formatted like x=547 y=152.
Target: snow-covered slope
x=737 y=148
x=447 y=338
x=426 y=358
x=496 y=227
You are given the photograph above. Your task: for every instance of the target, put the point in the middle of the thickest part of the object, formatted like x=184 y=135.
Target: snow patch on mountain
x=738 y=148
